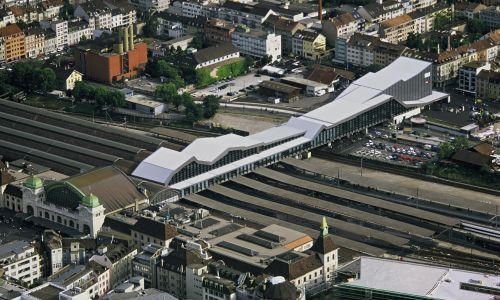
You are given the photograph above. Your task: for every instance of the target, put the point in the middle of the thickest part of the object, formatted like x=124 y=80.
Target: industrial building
x=391 y=279
x=111 y=60
x=398 y=91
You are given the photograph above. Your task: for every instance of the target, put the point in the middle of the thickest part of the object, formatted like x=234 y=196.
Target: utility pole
x=361 y=170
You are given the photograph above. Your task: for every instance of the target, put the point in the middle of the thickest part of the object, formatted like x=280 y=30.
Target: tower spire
x=324 y=227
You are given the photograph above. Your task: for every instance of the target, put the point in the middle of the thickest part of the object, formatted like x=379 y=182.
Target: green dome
x=33 y=182
x=90 y=200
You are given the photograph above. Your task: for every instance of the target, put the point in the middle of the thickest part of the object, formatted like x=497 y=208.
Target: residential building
x=20 y=261
x=50 y=42
x=34 y=42
x=420 y=4
x=488 y=84
x=385 y=53
x=122 y=13
x=78 y=31
x=181 y=42
x=285 y=28
x=6 y=17
x=13 y=43
x=60 y=27
x=111 y=60
x=148 y=231
x=77 y=251
x=145 y=264
x=26 y=14
x=218 y=31
x=345 y=24
x=67 y=77
x=52 y=243
x=118 y=259
x=446 y=64
x=76 y=280
x=389 y=279
x=380 y=11
x=193 y=8
x=151 y=5
x=423 y=19
x=396 y=30
x=309 y=44
x=96 y=13
x=51 y=8
x=467 y=76
x=248 y=14
x=257 y=44
x=359 y=49
x=216 y=54
x=176 y=26
x=491 y=16
x=470 y=10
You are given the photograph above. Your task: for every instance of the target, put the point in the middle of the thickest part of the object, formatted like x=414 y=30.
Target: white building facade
x=258 y=44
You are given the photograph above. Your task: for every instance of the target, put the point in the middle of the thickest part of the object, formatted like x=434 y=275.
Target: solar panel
x=270 y=236
x=258 y=241
x=204 y=223
x=238 y=248
x=225 y=229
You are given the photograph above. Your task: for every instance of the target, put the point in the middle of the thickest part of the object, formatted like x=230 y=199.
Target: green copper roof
x=33 y=182
x=90 y=200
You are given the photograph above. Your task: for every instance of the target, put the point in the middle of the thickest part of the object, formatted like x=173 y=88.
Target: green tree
x=210 y=106
x=264 y=60
x=177 y=101
x=45 y=79
x=193 y=111
x=197 y=42
x=442 y=21
x=460 y=143
x=477 y=26
x=114 y=98
x=203 y=77
x=414 y=41
x=81 y=91
x=151 y=27
x=166 y=92
x=445 y=151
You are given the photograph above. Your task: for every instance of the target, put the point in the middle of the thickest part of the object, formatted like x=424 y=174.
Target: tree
x=264 y=60
x=249 y=62
x=45 y=79
x=210 y=106
x=442 y=21
x=166 y=92
x=151 y=27
x=203 y=77
x=193 y=111
x=477 y=26
x=197 y=42
x=414 y=41
x=81 y=91
x=447 y=149
x=177 y=101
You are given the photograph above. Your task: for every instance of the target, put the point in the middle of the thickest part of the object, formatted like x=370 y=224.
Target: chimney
x=320 y=10
x=131 y=37
x=125 y=39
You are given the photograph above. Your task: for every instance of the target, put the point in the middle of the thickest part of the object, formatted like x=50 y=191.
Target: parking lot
x=229 y=89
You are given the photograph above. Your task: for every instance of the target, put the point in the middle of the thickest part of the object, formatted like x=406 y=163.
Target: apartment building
x=96 y=13
x=380 y=11
x=488 y=84
x=309 y=44
x=13 y=43
x=34 y=42
x=60 y=27
x=248 y=14
x=358 y=49
x=470 y=10
x=148 y=231
x=78 y=31
x=491 y=16
x=118 y=259
x=285 y=28
x=6 y=17
x=218 y=31
x=345 y=24
x=52 y=243
x=446 y=64
x=150 y=5
x=20 y=261
x=424 y=18
x=257 y=44
x=467 y=76
x=396 y=30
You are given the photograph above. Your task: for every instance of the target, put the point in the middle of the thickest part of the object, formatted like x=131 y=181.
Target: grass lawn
x=47 y=102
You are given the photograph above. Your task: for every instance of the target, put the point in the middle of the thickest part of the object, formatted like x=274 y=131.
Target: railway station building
x=397 y=92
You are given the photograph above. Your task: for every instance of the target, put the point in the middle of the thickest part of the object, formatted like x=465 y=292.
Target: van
x=427 y=147
x=319 y=93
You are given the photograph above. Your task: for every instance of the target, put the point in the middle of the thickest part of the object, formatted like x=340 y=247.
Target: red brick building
x=106 y=62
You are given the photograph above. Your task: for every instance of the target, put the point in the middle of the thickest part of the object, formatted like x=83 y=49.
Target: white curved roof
x=362 y=95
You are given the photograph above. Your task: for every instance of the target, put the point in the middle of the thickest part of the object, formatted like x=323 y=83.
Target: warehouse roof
x=214 y=52
x=419 y=279
x=114 y=189
x=278 y=86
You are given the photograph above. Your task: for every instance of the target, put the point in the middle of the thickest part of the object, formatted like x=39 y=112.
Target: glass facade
x=352 y=292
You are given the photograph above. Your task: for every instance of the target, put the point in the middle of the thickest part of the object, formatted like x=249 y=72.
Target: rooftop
x=47 y=292
x=211 y=53
x=143 y=100
x=396 y=21
x=13 y=248
x=419 y=279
